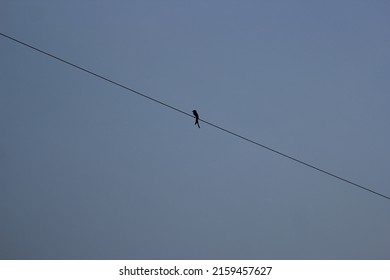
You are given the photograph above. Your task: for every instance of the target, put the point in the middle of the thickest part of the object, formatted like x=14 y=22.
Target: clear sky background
x=91 y=171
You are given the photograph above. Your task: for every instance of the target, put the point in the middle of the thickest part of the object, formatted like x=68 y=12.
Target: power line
x=185 y=113
x=93 y=74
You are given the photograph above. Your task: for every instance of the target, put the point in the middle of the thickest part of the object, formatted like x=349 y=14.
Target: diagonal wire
x=94 y=74
x=185 y=113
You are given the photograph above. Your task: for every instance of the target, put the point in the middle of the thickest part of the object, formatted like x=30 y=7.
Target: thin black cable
x=94 y=74
x=185 y=113
x=297 y=160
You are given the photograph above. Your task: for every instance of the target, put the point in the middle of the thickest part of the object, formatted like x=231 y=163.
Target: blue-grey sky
x=91 y=171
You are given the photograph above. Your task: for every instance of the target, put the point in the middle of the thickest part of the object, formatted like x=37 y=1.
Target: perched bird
x=196 y=117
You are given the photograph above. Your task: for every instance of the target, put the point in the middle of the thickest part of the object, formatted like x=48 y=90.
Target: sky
x=89 y=170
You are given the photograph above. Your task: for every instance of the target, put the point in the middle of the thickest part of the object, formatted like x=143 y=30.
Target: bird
x=196 y=117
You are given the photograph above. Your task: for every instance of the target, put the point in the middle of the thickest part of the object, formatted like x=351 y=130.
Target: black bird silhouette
x=196 y=117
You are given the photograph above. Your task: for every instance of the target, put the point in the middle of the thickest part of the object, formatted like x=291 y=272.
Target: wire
x=94 y=74
x=185 y=113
